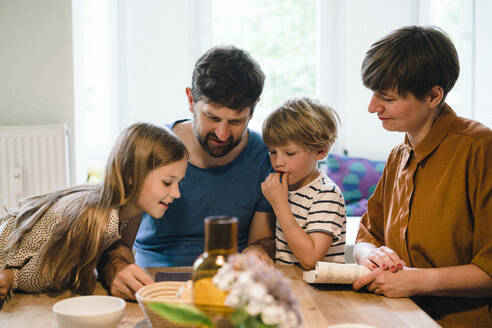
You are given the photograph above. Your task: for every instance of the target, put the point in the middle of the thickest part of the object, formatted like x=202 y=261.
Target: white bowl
x=95 y=311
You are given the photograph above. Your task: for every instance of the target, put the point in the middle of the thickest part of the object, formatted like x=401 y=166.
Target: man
x=226 y=166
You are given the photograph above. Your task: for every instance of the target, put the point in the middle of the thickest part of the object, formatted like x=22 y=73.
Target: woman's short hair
x=303 y=121
x=411 y=59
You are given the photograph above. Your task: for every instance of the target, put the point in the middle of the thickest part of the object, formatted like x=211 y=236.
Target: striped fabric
x=317 y=207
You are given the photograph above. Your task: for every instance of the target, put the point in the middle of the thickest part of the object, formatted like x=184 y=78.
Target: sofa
x=357 y=178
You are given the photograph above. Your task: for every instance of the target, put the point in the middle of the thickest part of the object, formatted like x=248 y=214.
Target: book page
x=335 y=273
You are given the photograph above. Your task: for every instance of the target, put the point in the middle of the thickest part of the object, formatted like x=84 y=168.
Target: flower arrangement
x=259 y=294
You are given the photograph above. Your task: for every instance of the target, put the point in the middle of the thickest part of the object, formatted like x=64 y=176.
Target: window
x=456 y=17
x=132 y=62
x=282 y=36
x=96 y=68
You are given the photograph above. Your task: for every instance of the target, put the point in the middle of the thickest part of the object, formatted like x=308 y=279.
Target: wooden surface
x=321 y=306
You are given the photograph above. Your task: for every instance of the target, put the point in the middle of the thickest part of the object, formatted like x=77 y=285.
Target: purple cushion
x=356 y=177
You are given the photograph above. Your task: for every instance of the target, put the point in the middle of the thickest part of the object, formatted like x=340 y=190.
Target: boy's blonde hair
x=303 y=121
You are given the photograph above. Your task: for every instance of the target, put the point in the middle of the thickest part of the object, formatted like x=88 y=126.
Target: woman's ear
x=435 y=96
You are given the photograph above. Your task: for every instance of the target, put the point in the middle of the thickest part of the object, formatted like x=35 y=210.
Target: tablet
x=172 y=276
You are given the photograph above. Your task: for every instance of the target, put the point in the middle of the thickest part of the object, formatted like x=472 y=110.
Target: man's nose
x=222 y=131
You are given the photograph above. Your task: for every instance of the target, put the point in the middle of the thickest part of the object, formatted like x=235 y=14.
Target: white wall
x=36 y=72
x=483 y=64
x=348 y=29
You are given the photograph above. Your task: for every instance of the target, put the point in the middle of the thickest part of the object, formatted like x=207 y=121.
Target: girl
x=54 y=241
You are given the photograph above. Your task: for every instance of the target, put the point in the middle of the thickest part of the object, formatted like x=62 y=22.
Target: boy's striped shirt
x=317 y=207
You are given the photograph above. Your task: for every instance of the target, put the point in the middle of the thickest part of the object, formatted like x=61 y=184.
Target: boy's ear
x=435 y=95
x=321 y=153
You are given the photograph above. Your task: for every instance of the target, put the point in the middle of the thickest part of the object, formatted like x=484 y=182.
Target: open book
x=334 y=273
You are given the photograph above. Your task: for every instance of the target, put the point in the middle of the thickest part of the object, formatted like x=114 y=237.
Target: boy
x=309 y=207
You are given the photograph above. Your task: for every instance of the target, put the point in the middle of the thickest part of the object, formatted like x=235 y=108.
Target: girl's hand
x=385 y=258
x=129 y=280
x=276 y=191
x=6 y=281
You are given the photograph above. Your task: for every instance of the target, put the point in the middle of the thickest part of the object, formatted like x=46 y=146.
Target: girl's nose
x=175 y=193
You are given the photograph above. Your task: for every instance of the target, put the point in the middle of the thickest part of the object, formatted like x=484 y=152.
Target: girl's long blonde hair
x=76 y=244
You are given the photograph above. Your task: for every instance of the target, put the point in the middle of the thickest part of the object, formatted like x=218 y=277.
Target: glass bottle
x=220 y=242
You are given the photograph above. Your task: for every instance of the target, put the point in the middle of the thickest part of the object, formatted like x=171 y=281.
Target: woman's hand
x=404 y=283
x=6 y=281
x=276 y=191
x=382 y=257
x=385 y=258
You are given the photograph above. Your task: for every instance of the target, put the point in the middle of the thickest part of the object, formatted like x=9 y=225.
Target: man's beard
x=217 y=151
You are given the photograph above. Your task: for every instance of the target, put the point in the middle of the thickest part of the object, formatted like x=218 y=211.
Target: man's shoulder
x=256 y=146
x=180 y=127
x=255 y=153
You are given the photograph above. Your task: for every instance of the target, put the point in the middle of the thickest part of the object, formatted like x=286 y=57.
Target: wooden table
x=321 y=306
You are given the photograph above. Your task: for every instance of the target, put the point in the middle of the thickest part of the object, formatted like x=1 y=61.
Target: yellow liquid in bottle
x=220 y=242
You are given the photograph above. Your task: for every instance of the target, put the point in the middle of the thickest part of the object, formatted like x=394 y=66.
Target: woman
x=427 y=229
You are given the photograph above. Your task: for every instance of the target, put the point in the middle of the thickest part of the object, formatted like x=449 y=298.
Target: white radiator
x=33 y=160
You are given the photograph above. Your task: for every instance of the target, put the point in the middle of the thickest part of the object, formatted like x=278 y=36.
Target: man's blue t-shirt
x=177 y=238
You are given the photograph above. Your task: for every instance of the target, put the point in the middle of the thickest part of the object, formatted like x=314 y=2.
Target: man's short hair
x=227 y=76
x=411 y=59
x=303 y=121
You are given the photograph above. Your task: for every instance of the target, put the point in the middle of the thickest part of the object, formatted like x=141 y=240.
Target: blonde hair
x=77 y=241
x=303 y=121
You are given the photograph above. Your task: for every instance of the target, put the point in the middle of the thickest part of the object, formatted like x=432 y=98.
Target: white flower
x=244 y=278
x=256 y=292
x=224 y=279
x=233 y=300
x=253 y=309
x=268 y=299
x=291 y=319
x=271 y=314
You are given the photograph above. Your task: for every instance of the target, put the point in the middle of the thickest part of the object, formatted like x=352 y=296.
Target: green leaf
x=255 y=322
x=260 y=324
x=241 y=319
x=239 y=316
x=181 y=313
